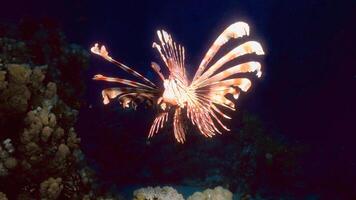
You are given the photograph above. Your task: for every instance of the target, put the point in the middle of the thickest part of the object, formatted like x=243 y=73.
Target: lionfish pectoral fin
x=210 y=85
x=235 y=30
x=101 y=51
x=157 y=69
x=110 y=93
x=249 y=47
x=178 y=125
x=158 y=123
x=129 y=97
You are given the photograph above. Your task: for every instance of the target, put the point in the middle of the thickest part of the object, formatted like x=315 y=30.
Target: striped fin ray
x=172 y=55
x=200 y=116
x=158 y=123
x=243 y=83
x=129 y=96
x=101 y=51
x=202 y=109
x=200 y=113
x=179 y=132
x=217 y=91
x=157 y=69
x=241 y=68
x=245 y=48
x=208 y=102
x=122 y=81
x=236 y=30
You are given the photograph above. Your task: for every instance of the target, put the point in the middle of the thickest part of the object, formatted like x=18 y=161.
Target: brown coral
x=51 y=188
x=3 y=196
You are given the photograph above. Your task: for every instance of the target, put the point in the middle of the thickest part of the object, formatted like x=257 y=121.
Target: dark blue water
x=307 y=92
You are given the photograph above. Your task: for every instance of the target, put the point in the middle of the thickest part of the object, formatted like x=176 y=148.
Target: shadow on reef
x=40 y=89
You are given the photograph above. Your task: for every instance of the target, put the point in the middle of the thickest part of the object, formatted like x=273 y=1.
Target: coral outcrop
x=157 y=193
x=218 y=193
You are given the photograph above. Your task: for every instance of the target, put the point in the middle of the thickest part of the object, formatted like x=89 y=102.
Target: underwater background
x=292 y=136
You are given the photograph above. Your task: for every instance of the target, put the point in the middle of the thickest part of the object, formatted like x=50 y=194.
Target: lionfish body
x=202 y=98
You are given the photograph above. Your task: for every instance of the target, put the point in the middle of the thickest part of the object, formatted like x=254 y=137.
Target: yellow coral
x=19 y=74
x=3 y=196
x=51 y=188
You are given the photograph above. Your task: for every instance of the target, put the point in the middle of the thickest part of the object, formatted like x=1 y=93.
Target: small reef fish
x=202 y=99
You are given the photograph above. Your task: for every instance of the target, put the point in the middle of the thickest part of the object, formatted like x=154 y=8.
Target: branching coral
x=20 y=88
x=44 y=139
x=157 y=193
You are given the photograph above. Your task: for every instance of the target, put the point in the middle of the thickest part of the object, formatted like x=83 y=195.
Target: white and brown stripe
x=236 y=30
x=104 y=53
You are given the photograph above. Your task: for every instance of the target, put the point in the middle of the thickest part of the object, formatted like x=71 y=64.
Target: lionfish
x=201 y=99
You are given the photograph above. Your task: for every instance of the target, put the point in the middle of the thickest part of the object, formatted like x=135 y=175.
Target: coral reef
x=157 y=193
x=169 y=193
x=40 y=89
x=218 y=193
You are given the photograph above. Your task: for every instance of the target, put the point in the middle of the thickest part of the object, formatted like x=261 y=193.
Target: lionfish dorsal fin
x=172 y=55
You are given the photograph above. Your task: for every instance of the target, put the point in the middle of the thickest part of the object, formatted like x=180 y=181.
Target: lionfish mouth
x=98 y=77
